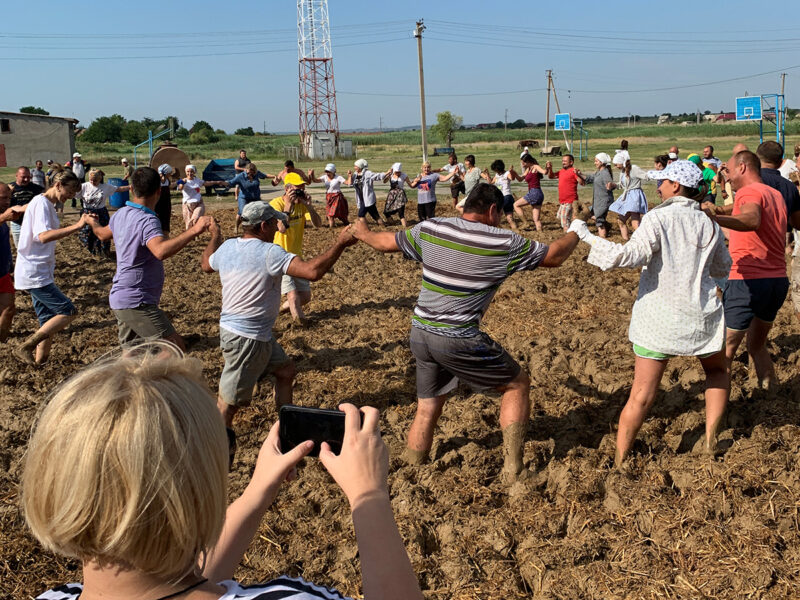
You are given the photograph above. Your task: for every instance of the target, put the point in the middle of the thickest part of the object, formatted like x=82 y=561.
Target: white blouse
x=680 y=250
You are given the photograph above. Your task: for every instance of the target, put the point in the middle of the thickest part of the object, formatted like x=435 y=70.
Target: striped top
x=283 y=588
x=463 y=264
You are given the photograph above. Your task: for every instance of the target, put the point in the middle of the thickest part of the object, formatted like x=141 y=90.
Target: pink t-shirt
x=759 y=254
x=567 y=186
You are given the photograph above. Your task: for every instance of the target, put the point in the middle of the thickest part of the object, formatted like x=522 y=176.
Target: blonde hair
x=97 y=172
x=128 y=465
x=67 y=179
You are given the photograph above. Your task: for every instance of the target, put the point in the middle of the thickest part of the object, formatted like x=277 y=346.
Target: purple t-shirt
x=140 y=275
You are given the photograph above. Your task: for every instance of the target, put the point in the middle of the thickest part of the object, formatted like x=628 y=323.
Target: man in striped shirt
x=464 y=262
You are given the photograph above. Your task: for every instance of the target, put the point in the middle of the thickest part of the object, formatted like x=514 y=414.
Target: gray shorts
x=294 y=284
x=443 y=361
x=145 y=323
x=246 y=362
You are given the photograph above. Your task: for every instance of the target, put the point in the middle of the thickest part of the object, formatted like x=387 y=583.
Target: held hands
x=273 y=467
x=347 y=237
x=214 y=228
x=360 y=228
x=579 y=228
x=362 y=466
x=90 y=219
x=202 y=224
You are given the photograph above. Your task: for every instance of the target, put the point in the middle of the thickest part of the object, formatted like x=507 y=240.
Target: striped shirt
x=463 y=264
x=283 y=588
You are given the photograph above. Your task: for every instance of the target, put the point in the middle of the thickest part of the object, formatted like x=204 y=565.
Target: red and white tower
x=319 y=122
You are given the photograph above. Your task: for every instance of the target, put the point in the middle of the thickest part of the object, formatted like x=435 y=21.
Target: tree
x=199 y=126
x=518 y=124
x=244 y=131
x=446 y=125
x=105 y=129
x=33 y=110
x=203 y=136
x=134 y=132
x=182 y=132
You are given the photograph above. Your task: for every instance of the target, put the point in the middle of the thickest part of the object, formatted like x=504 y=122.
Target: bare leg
x=296 y=302
x=623 y=227
x=515 y=410
x=718 y=387
x=510 y=220
x=602 y=232
x=518 y=205
x=733 y=338
x=646 y=378
x=536 y=212
x=330 y=222
x=37 y=346
x=420 y=435
x=635 y=220
x=226 y=411
x=284 y=381
x=7 y=311
x=757 y=348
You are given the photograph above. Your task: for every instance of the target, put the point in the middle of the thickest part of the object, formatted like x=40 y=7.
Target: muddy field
x=677 y=525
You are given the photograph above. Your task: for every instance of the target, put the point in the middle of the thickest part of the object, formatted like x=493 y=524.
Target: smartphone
x=300 y=423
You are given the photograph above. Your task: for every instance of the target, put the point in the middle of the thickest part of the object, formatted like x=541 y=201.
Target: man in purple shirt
x=141 y=248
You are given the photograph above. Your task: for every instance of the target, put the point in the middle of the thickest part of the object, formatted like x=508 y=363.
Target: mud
x=676 y=524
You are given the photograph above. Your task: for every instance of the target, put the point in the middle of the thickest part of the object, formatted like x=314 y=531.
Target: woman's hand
x=362 y=466
x=273 y=467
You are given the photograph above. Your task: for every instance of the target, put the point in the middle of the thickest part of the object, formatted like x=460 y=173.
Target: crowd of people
x=720 y=226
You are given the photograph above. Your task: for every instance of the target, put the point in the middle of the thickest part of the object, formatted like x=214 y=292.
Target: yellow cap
x=294 y=179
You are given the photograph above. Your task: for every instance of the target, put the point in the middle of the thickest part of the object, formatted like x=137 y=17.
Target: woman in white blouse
x=677 y=311
x=94 y=195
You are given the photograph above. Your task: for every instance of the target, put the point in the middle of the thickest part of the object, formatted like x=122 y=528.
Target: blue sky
x=238 y=67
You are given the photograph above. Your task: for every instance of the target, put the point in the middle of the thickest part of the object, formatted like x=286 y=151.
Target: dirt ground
x=677 y=525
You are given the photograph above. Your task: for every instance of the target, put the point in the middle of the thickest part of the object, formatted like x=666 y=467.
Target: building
x=25 y=138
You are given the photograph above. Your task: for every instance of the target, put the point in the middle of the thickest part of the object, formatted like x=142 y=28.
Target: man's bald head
x=740 y=148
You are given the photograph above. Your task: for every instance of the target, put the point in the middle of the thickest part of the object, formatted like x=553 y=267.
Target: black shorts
x=508 y=204
x=426 y=211
x=456 y=189
x=746 y=299
x=372 y=211
x=163 y=208
x=443 y=361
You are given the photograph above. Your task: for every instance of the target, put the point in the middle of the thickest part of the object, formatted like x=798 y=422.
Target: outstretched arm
x=559 y=250
x=314 y=269
x=213 y=244
x=383 y=241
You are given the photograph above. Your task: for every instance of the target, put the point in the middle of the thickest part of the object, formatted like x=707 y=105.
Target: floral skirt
x=395 y=200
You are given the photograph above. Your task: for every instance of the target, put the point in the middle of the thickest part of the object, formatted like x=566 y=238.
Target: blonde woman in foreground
x=126 y=471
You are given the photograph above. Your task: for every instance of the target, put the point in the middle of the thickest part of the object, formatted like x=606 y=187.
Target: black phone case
x=300 y=423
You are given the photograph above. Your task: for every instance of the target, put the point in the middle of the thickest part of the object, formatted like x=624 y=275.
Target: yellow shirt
x=292 y=240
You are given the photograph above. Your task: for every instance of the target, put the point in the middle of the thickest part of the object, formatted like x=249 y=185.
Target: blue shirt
x=249 y=190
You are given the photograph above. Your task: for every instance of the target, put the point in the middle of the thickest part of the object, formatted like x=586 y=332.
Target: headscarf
x=603 y=158
x=361 y=164
x=397 y=167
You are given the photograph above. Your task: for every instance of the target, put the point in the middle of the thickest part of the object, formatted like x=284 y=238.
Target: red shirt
x=759 y=254
x=567 y=186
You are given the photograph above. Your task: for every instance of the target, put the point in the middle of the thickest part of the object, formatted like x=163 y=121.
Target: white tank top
x=503 y=184
x=333 y=186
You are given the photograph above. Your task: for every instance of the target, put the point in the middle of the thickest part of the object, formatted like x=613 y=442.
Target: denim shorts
x=746 y=299
x=49 y=302
x=535 y=196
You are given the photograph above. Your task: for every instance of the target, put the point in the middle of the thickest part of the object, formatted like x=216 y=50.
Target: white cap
x=684 y=172
x=124 y=160
x=396 y=167
x=192 y=167
x=76 y=155
x=672 y=156
x=330 y=167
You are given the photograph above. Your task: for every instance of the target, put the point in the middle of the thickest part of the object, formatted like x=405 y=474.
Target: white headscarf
x=603 y=158
x=361 y=164
x=397 y=167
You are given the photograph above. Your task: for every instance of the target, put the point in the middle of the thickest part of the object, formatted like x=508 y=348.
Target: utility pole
x=547 y=117
x=558 y=108
x=265 y=128
x=418 y=34
x=698 y=116
x=380 y=124
x=782 y=112
x=505 y=125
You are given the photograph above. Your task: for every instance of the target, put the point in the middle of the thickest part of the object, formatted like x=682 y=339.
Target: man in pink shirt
x=757 y=286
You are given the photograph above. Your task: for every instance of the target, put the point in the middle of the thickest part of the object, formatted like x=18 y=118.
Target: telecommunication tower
x=319 y=122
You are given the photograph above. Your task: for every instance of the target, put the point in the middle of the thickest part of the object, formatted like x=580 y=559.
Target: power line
x=577 y=91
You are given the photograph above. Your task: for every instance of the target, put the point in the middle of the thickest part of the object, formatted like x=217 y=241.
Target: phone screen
x=299 y=423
